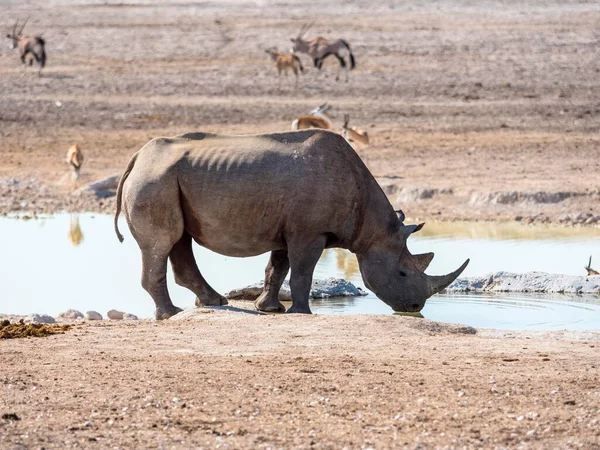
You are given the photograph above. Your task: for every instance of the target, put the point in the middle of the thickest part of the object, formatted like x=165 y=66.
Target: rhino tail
x=120 y=194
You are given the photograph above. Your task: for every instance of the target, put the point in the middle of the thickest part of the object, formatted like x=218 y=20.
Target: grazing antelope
x=33 y=45
x=589 y=269
x=317 y=118
x=354 y=135
x=285 y=62
x=320 y=48
x=75 y=160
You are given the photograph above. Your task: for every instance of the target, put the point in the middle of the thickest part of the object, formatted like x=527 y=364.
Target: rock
x=100 y=189
x=70 y=314
x=330 y=287
x=128 y=316
x=528 y=282
x=93 y=315
x=113 y=314
x=39 y=318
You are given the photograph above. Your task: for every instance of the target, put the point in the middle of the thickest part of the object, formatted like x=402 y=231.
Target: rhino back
x=245 y=195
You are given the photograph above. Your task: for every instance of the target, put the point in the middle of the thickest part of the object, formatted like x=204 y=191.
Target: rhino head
x=397 y=277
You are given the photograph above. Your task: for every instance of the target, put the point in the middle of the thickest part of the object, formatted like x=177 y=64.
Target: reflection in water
x=64 y=271
x=346 y=263
x=504 y=231
x=75 y=233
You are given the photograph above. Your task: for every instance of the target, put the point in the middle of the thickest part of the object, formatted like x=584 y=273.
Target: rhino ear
x=407 y=230
x=400 y=215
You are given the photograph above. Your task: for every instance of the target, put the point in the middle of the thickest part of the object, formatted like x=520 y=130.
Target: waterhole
x=51 y=264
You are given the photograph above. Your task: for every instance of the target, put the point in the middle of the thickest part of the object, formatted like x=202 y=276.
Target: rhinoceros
x=292 y=194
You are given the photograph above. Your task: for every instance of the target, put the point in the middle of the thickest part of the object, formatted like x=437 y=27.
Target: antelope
x=75 y=160
x=320 y=48
x=354 y=135
x=589 y=269
x=285 y=62
x=317 y=118
x=33 y=45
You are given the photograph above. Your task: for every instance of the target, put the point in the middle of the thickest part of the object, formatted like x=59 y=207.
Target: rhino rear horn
x=423 y=260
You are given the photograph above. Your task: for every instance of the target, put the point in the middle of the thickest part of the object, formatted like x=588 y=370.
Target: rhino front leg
x=303 y=260
x=188 y=275
x=276 y=271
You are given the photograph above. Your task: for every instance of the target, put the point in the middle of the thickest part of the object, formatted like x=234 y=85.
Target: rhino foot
x=299 y=310
x=164 y=313
x=215 y=300
x=264 y=303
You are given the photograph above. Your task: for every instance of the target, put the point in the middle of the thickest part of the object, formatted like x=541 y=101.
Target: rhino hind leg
x=188 y=275
x=303 y=259
x=154 y=281
x=276 y=271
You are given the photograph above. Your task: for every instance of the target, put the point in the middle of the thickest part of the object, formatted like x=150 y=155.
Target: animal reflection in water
x=75 y=233
x=346 y=262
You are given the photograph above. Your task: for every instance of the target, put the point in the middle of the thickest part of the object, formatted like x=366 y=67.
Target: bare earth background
x=476 y=109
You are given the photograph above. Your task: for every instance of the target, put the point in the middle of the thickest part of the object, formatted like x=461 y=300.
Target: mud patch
x=21 y=329
x=433 y=327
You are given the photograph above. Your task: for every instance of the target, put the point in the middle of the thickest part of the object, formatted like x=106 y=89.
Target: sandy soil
x=472 y=107
x=236 y=380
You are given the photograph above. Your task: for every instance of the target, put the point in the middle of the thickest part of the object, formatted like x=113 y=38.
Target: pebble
x=128 y=316
x=71 y=314
x=113 y=314
x=93 y=315
x=39 y=318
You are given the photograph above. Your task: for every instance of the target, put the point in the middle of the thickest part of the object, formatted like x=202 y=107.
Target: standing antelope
x=33 y=45
x=285 y=62
x=320 y=48
x=317 y=118
x=75 y=160
x=354 y=135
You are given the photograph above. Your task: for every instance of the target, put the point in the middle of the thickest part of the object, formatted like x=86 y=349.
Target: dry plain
x=477 y=111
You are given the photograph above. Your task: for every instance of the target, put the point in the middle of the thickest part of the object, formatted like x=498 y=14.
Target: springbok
x=33 y=45
x=317 y=118
x=285 y=62
x=320 y=48
x=354 y=135
x=75 y=160
x=589 y=269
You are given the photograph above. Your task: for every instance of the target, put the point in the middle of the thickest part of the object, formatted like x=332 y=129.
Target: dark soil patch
x=21 y=330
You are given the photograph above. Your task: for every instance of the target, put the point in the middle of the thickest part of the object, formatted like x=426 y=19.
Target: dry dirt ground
x=235 y=380
x=476 y=109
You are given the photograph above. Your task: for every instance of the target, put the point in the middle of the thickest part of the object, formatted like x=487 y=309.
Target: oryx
x=320 y=48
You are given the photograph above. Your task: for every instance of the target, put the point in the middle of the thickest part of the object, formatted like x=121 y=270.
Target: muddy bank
x=246 y=381
x=31 y=197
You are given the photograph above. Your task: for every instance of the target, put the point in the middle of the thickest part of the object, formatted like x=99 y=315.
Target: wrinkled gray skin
x=292 y=194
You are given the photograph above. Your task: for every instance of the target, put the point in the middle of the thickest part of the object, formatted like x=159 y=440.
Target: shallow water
x=52 y=264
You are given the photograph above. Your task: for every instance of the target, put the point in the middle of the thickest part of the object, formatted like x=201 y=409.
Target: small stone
x=39 y=318
x=113 y=314
x=71 y=314
x=93 y=315
x=128 y=316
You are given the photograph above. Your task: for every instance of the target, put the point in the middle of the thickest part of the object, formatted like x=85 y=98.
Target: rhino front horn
x=439 y=283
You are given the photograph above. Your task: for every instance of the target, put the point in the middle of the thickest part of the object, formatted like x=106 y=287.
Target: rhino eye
x=402 y=273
